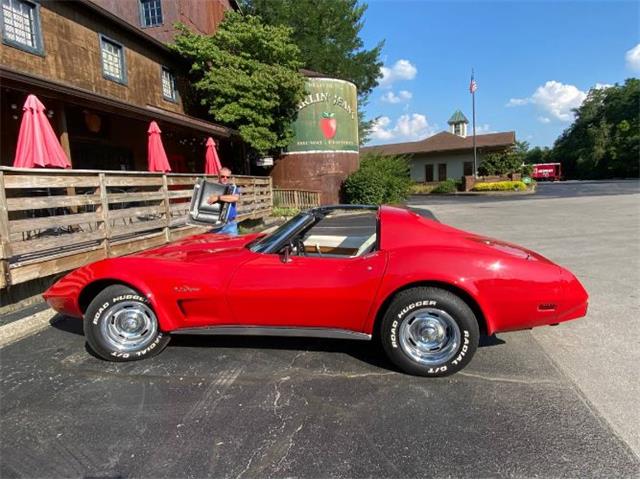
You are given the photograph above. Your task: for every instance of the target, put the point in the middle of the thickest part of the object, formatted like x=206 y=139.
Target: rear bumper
x=575 y=299
x=559 y=301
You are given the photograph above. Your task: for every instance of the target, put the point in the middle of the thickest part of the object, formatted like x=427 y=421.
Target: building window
x=468 y=168
x=113 y=64
x=21 y=25
x=168 y=85
x=150 y=13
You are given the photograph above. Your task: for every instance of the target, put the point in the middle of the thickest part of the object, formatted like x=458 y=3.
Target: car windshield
x=276 y=239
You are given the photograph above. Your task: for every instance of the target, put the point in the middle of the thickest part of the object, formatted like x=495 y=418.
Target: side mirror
x=286 y=254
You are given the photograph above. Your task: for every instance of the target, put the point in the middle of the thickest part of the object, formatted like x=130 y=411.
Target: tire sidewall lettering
x=96 y=317
x=140 y=353
x=462 y=352
x=129 y=296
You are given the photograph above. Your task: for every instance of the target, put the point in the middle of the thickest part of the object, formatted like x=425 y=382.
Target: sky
x=533 y=61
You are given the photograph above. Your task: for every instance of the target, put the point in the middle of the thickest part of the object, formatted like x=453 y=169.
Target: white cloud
x=558 y=99
x=481 y=129
x=403 y=96
x=555 y=99
x=542 y=119
x=632 y=58
x=407 y=127
x=517 y=102
x=379 y=129
x=401 y=70
x=601 y=86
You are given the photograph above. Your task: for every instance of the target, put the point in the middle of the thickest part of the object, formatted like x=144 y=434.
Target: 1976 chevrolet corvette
x=425 y=289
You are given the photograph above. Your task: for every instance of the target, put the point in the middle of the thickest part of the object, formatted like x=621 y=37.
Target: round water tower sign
x=327 y=118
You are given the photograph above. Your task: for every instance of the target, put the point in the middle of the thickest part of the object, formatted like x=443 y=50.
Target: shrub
x=380 y=179
x=284 y=211
x=526 y=170
x=418 y=188
x=448 y=186
x=499 y=186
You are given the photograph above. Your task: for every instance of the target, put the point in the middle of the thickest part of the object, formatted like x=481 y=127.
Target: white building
x=446 y=154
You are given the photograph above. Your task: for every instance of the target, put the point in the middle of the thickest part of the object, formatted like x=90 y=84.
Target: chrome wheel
x=129 y=326
x=430 y=336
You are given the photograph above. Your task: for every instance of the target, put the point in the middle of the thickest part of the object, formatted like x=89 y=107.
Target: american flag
x=473 y=86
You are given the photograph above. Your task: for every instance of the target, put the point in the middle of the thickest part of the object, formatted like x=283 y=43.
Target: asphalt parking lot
x=552 y=402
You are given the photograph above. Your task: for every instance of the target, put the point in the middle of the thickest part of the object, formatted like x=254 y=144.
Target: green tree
x=503 y=163
x=380 y=179
x=246 y=76
x=537 y=155
x=604 y=139
x=328 y=35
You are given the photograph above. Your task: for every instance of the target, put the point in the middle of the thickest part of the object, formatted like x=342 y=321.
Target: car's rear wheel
x=120 y=325
x=429 y=331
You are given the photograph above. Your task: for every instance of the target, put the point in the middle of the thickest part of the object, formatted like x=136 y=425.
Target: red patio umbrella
x=212 y=164
x=38 y=145
x=156 y=156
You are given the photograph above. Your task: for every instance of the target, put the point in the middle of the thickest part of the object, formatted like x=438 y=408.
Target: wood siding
x=72 y=55
x=202 y=16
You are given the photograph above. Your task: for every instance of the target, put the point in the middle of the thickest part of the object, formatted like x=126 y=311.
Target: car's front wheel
x=120 y=325
x=429 y=331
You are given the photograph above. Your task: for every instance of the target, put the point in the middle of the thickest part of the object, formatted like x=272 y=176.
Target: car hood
x=199 y=247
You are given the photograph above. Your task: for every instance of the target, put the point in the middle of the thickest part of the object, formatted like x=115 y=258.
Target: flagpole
x=473 y=102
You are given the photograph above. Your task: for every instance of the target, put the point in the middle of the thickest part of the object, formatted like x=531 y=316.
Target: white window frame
x=35 y=26
x=143 y=18
x=172 y=79
x=122 y=79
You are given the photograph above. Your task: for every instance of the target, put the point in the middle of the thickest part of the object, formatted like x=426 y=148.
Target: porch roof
x=36 y=84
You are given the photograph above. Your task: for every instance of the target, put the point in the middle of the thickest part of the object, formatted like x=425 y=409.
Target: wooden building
x=103 y=78
x=158 y=17
x=446 y=154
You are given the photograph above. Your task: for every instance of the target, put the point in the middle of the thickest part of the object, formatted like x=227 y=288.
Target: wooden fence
x=52 y=221
x=296 y=198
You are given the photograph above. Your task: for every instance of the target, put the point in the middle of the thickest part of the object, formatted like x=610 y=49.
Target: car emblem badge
x=185 y=289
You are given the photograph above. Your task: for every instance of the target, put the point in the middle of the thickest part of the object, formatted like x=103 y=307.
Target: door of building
x=468 y=168
x=428 y=173
x=442 y=172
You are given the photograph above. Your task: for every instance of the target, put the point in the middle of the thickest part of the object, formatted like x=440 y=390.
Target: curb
x=16 y=331
x=475 y=194
x=23 y=312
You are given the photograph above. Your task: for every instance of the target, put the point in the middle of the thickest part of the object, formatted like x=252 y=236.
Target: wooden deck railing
x=302 y=199
x=52 y=221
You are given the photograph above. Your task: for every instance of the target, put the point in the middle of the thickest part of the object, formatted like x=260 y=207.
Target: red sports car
x=425 y=289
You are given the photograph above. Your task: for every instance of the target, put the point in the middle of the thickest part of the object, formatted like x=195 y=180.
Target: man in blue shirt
x=231 y=227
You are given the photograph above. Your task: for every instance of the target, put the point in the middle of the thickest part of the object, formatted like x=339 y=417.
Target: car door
x=305 y=291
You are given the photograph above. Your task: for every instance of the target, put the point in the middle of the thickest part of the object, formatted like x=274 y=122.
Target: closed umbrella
x=38 y=145
x=212 y=164
x=156 y=156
